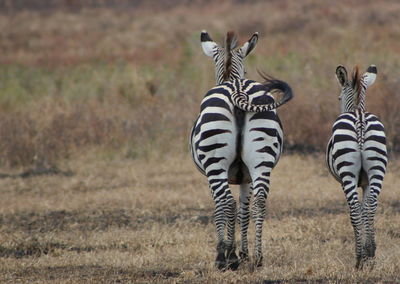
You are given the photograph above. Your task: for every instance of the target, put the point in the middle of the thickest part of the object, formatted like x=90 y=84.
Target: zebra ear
x=370 y=76
x=249 y=45
x=341 y=75
x=208 y=45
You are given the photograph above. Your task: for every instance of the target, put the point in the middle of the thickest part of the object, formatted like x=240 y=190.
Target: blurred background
x=119 y=78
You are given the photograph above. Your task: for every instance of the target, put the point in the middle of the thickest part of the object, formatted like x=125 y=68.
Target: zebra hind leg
x=258 y=212
x=244 y=220
x=369 y=210
x=220 y=220
x=225 y=216
x=356 y=221
x=226 y=251
x=231 y=257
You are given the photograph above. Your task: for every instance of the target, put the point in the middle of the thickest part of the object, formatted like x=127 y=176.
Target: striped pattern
x=232 y=146
x=356 y=156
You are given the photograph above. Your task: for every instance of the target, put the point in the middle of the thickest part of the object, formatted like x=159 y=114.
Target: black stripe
x=341 y=152
x=222 y=190
x=210 y=117
x=345 y=174
x=347 y=116
x=213 y=132
x=262 y=179
x=346 y=191
x=379 y=168
x=352 y=196
x=265 y=164
x=215 y=172
x=382 y=152
x=211 y=147
x=197 y=128
x=344 y=164
x=343 y=137
x=263 y=185
x=266 y=174
x=246 y=83
x=378 y=177
x=215 y=102
x=217 y=180
x=346 y=183
x=264 y=115
x=342 y=126
x=376 y=127
x=220 y=91
x=379 y=139
x=268 y=131
x=371 y=117
x=267 y=149
x=212 y=160
x=216 y=184
x=378 y=159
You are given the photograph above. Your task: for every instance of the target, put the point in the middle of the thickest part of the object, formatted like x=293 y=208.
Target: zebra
x=237 y=139
x=356 y=156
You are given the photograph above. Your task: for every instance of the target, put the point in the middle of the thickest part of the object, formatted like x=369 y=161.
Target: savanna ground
x=144 y=221
x=96 y=102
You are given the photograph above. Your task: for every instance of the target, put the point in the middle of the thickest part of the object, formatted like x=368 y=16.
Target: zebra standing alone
x=237 y=139
x=356 y=156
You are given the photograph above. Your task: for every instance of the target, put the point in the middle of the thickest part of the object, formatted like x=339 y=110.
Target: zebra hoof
x=233 y=261
x=370 y=251
x=359 y=263
x=244 y=256
x=369 y=263
x=259 y=262
x=220 y=261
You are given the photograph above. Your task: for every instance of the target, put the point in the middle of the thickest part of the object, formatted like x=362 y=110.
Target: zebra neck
x=360 y=127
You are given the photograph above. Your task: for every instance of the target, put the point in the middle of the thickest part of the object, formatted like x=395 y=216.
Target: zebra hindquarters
x=345 y=162
x=261 y=148
x=374 y=160
x=215 y=147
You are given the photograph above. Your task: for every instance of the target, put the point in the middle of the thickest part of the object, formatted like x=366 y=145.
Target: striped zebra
x=237 y=139
x=356 y=156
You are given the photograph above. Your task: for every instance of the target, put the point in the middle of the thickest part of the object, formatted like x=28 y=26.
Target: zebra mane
x=230 y=44
x=356 y=84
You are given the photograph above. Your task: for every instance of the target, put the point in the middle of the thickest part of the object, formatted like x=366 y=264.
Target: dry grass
x=123 y=75
x=151 y=221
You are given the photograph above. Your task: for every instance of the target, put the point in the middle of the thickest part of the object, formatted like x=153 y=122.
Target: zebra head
x=229 y=58
x=352 y=95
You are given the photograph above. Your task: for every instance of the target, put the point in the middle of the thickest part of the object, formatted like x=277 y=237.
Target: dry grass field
x=145 y=221
x=97 y=98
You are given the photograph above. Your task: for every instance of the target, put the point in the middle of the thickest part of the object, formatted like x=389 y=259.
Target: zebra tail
x=271 y=85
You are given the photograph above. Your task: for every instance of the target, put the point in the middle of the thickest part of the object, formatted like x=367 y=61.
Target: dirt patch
x=94 y=273
x=66 y=220
x=100 y=220
x=30 y=248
